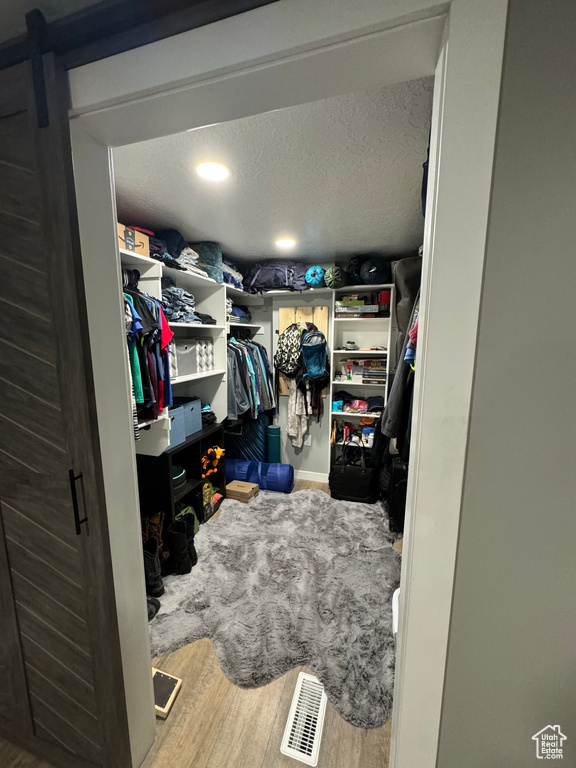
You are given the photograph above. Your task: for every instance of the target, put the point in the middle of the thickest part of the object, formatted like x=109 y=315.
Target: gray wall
x=511 y=666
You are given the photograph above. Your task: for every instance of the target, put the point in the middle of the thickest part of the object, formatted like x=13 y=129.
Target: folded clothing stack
x=208 y=415
x=178 y=304
x=231 y=274
x=180 y=307
x=240 y=314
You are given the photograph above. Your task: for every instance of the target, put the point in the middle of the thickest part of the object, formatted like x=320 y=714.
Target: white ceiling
x=340 y=176
x=12 y=13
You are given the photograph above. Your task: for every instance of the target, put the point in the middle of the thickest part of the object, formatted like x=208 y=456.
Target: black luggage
x=396 y=497
x=351 y=481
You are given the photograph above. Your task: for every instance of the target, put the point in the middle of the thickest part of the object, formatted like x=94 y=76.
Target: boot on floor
x=152 y=572
x=176 y=542
x=153 y=607
x=190 y=521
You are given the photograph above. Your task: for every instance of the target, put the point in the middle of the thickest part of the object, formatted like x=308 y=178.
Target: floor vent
x=303 y=731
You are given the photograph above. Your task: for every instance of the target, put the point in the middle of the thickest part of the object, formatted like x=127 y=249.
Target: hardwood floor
x=214 y=724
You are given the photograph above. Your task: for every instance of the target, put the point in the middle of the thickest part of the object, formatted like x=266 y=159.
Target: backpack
x=316 y=368
x=288 y=359
x=277 y=274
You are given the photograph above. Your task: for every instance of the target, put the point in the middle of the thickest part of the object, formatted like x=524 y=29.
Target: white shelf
x=190 y=280
x=361 y=352
x=360 y=319
x=197 y=326
x=136 y=257
x=286 y=292
x=356 y=384
x=236 y=291
x=197 y=376
x=161 y=417
x=356 y=415
x=356 y=288
x=244 y=325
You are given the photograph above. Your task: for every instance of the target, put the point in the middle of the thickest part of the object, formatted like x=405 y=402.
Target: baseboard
x=317 y=477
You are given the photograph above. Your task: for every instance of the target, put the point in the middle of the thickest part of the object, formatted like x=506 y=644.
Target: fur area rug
x=288 y=580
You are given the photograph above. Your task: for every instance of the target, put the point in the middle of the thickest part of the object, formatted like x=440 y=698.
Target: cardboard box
x=133 y=241
x=241 y=491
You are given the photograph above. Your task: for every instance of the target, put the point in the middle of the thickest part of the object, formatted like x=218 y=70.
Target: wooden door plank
x=15 y=709
x=41 y=542
x=47 y=418
x=29 y=372
x=54 y=643
x=62 y=731
x=28 y=246
x=40 y=340
x=39 y=572
x=67 y=708
x=321 y=320
x=58 y=673
x=46 y=503
x=18 y=194
x=304 y=314
x=14 y=96
x=24 y=287
x=17 y=147
x=49 y=610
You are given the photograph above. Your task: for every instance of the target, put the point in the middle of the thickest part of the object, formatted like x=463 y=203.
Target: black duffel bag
x=350 y=479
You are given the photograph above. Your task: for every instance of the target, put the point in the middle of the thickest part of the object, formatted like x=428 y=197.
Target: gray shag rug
x=289 y=580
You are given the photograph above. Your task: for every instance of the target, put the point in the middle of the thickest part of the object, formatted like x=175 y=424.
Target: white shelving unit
x=366 y=332
x=210 y=386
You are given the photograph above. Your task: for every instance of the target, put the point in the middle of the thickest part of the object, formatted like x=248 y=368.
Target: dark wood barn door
x=61 y=688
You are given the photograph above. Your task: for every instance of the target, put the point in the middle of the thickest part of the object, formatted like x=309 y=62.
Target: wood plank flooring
x=214 y=724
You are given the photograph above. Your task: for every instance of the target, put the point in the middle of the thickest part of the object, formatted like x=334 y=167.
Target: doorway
x=109 y=108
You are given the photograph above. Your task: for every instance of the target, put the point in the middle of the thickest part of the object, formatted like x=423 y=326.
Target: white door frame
x=286 y=53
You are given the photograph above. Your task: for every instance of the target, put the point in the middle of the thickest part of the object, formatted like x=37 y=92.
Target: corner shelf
x=254 y=326
x=345 y=415
x=357 y=384
x=360 y=319
x=197 y=376
x=355 y=288
x=361 y=352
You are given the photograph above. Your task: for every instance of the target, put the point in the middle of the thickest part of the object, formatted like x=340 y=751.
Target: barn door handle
x=77 y=521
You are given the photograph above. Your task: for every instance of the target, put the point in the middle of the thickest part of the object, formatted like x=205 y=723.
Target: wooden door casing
x=56 y=587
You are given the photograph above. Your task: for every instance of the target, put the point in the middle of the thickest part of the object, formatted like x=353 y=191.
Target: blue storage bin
x=177 y=428
x=192 y=407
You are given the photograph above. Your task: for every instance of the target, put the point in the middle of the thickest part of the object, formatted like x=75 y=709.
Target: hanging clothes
x=148 y=335
x=250 y=380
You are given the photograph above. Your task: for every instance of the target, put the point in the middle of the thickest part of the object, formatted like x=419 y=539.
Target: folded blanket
x=210 y=259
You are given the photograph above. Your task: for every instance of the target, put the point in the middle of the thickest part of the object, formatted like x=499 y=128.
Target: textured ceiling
x=339 y=176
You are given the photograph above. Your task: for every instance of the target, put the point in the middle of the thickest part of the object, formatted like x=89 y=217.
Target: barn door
x=63 y=694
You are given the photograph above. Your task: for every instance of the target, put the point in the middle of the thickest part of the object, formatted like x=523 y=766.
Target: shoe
x=153 y=607
x=176 y=542
x=155 y=528
x=191 y=523
x=152 y=572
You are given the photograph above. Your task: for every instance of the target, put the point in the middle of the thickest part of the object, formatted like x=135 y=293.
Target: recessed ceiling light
x=212 y=171
x=285 y=244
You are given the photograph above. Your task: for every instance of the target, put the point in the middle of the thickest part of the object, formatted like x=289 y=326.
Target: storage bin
x=186 y=357
x=192 y=407
x=177 y=428
x=205 y=355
